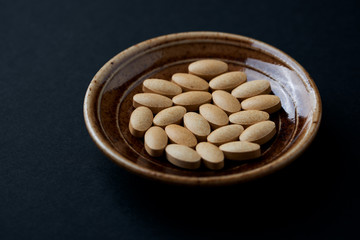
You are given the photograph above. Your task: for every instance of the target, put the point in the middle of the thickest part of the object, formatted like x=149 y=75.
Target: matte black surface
x=55 y=183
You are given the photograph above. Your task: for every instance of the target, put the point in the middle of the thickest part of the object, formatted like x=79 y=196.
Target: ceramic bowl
x=108 y=103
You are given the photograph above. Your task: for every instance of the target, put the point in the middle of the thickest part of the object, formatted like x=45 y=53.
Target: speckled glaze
x=108 y=103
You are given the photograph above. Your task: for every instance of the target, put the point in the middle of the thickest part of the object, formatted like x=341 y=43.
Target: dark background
x=55 y=183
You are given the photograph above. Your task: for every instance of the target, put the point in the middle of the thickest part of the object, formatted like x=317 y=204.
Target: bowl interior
x=109 y=102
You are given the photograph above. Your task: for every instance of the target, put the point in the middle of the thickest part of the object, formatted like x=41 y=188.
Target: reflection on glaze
x=286 y=82
x=286 y=101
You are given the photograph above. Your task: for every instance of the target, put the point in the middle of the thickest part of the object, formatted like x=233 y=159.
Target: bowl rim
x=95 y=131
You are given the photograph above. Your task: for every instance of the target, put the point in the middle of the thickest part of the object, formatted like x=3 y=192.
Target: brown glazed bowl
x=108 y=103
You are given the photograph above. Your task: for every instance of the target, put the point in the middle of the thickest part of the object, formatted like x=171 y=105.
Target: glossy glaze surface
x=108 y=103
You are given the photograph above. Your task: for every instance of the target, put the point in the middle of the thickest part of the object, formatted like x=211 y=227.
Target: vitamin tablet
x=189 y=82
x=140 y=121
x=198 y=125
x=162 y=87
x=225 y=134
x=171 y=115
x=241 y=150
x=251 y=89
x=208 y=68
x=248 y=117
x=227 y=81
x=183 y=156
x=180 y=135
x=212 y=156
x=192 y=100
x=226 y=101
x=155 y=141
x=154 y=102
x=267 y=103
x=259 y=133
x=214 y=115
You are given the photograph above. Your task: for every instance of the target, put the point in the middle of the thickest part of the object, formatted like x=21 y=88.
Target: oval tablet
x=248 y=117
x=183 y=156
x=226 y=101
x=267 y=103
x=198 y=125
x=162 y=87
x=180 y=135
x=140 y=121
x=171 y=115
x=189 y=82
x=252 y=88
x=155 y=141
x=192 y=100
x=259 y=133
x=208 y=68
x=155 y=102
x=214 y=115
x=225 y=134
x=228 y=81
x=241 y=150
x=212 y=156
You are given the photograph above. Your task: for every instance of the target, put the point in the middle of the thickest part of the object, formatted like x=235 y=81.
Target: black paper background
x=55 y=183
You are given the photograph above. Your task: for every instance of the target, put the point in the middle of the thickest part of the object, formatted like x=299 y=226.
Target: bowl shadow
x=292 y=195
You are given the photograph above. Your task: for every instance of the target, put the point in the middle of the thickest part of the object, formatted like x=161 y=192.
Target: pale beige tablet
x=259 y=133
x=198 y=125
x=155 y=140
x=154 y=102
x=225 y=134
x=182 y=156
x=192 y=100
x=171 y=115
x=162 y=87
x=226 y=101
x=208 y=68
x=241 y=150
x=189 y=82
x=180 y=135
x=140 y=121
x=227 y=81
x=212 y=156
x=251 y=89
x=214 y=115
x=248 y=117
x=266 y=102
